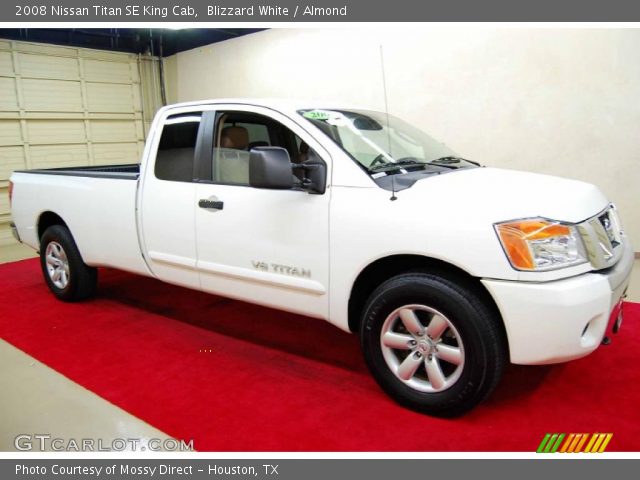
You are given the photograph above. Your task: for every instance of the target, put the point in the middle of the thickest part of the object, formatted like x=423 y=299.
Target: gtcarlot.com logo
x=45 y=442
x=574 y=443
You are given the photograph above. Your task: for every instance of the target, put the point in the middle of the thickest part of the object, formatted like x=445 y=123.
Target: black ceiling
x=158 y=41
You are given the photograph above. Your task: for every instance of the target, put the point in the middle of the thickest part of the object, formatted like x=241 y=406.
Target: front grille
x=602 y=238
x=609 y=226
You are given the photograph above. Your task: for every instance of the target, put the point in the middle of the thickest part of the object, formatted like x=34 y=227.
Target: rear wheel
x=65 y=273
x=432 y=344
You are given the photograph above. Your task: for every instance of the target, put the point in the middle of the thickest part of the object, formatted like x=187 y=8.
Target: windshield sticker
x=317 y=115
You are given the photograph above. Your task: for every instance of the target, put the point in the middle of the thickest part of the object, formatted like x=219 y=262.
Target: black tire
x=81 y=280
x=475 y=325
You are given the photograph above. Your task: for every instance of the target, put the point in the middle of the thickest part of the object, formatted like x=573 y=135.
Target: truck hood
x=495 y=195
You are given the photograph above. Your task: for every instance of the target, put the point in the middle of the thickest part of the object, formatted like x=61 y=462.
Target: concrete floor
x=15 y=251
x=37 y=400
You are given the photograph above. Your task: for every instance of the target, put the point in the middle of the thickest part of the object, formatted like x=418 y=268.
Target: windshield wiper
x=402 y=163
x=446 y=161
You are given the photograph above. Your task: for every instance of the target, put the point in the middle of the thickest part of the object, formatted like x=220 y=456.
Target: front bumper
x=556 y=321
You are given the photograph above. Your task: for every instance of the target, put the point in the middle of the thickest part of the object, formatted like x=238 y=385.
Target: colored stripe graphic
x=550 y=443
x=606 y=442
x=567 y=442
x=581 y=443
x=557 y=444
x=547 y=449
x=601 y=442
x=574 y=443
x=587 y=449
x=543 y=443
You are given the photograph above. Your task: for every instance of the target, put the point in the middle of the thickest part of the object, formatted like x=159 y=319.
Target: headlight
x=539 y=244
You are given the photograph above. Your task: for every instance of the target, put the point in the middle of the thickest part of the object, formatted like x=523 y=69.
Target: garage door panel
x=44 y=49
x=8 y=97
x=54 y=156
x=56 y=131
x=49 y=67
x=135 y=72
x=113 y=131
x=113 y=72
x=6 y=64
x=5 y=234
x=10 y=133
x=66 y=107
x=106 y=97
x=115 y=153
x=52 y=95
x=6 y=237
x=11 y=158
x=103 y=55
x=137 y=100
x=4 y=201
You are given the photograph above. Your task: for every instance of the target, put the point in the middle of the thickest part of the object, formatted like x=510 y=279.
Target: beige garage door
x=63 y=106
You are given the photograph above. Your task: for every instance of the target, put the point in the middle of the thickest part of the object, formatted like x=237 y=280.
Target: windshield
x=381 y=143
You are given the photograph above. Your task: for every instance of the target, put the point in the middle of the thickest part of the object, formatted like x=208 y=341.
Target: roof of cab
x=279 y=104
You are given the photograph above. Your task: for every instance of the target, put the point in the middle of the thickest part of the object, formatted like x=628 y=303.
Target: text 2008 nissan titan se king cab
x=445 y=268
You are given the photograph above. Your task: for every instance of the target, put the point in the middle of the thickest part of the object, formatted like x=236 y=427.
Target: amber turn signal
x=516 y=237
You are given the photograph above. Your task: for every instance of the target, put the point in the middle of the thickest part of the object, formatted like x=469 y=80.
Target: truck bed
x=96 y=203
x=123 y=172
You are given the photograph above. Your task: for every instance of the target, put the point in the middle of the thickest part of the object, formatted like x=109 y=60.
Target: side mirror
x=315 y=175
x=270 y=167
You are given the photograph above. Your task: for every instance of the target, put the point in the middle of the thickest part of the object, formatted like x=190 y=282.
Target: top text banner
x=262 y=11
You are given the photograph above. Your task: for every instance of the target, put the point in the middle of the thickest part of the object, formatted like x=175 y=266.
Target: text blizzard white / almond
x=269 y=10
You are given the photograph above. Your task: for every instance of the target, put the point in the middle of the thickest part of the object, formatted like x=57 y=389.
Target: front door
x=269 y=247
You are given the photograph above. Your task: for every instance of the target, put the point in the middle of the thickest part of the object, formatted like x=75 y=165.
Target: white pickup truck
x=447 y=269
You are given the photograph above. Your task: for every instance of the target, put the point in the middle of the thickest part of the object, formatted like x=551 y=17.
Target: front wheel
x=432 y=344
x=65 y=273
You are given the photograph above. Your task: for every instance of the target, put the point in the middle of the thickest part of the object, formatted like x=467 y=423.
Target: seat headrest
x=234 y=137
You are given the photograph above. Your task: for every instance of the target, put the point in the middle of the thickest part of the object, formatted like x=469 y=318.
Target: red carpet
x=280 y=382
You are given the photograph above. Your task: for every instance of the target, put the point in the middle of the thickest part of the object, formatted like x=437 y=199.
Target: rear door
x=264 y=246
x=168 y=203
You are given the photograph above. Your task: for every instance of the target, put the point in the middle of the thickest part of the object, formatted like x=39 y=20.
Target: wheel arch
x=48 y=219
x=385 y=268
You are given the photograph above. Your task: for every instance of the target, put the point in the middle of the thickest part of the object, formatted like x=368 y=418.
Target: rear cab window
x=176 y=151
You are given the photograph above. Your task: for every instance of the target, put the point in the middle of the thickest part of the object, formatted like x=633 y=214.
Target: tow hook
x=617 y=323
x=615 y=328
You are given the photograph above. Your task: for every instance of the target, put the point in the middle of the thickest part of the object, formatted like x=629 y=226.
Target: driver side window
x=236 y=133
